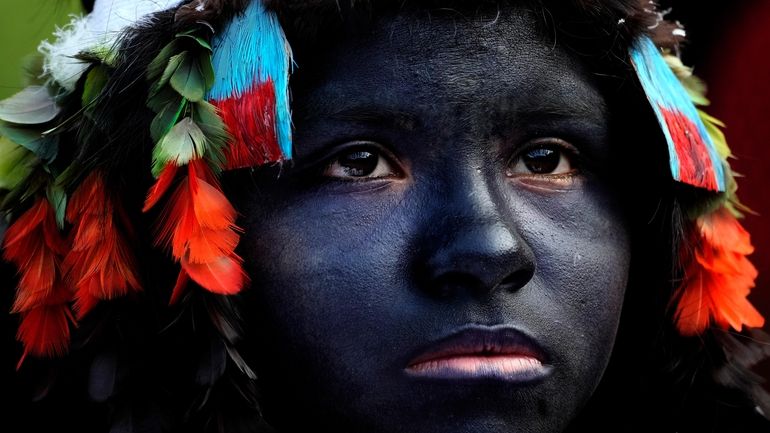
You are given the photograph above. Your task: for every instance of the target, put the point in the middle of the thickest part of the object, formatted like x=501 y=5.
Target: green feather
x=180 y=81
x=183 y=143
x=45 y=147
x=16 y=164
x=714 y=128
x=28 y=189
x=207 y=69
x=199 y=40
x=206 y=117
x=95 y=81
x=165 y=96
x=159 y=63
x=166 y=118
x=173 y=65
x=189 y=79
x=58 y=199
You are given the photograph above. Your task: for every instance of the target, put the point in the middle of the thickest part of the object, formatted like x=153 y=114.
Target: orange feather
x=199 y=227
x=224 y=276
x=718 y=277
x=100 y=265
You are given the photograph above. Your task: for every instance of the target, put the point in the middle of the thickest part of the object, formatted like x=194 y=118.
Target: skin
x=353 y=275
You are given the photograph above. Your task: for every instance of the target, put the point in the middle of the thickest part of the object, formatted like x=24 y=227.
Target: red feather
x=161 y=186
x=34 y=245
x=38 y=278
x=199 y=228
x=100 y=265
x=45 y=331
x=718 y=277
x=695 y=166
x=179 y=287
x=28 y=222
x=250 y=119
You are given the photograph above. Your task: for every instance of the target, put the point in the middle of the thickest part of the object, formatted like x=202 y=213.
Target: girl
x=420 y=216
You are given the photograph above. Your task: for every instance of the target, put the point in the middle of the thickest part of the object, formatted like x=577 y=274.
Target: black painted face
x=447 y=184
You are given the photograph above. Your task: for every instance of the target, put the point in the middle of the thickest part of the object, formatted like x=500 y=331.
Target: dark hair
x=135 y=363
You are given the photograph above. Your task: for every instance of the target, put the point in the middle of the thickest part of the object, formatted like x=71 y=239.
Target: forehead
x=432 y=60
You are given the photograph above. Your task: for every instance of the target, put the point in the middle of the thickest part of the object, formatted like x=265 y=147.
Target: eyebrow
x=530 y=114
x=536 y=107
x=377 y=116
x=389 y=117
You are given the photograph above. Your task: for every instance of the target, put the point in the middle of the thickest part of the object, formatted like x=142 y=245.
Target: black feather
x=212 y=363
x=103 y=377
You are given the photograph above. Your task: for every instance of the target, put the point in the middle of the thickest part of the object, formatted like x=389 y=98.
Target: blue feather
x=664 y=90
x=251 y=49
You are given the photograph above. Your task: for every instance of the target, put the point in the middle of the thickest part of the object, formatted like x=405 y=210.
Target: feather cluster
x=198 y=222
x=198 y=226
x=251 y=121
x=694 y=157
x=34 y=245
x=100 y=264
x=718 y=277
x=254 y=59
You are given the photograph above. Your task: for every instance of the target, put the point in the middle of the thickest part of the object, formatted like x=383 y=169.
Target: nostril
x=516 y=280
x=447 y=285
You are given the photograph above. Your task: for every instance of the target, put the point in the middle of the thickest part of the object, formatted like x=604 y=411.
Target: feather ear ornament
x=198 y=222
x=718 y=275
x=34 y=245
x=33 y=242
x=693 y=156
x=95 y=263
x=252 y=90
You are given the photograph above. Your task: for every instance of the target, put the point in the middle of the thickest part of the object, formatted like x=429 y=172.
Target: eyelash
x=563 y=180
x=384 y=157
x=550 y=143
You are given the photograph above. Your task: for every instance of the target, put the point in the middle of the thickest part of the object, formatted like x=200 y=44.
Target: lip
x=476 y=352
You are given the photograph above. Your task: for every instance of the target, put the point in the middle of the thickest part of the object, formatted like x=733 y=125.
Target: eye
x=550 y=157
x=366 y=162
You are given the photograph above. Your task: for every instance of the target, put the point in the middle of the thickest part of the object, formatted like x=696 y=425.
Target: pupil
x=360 y=163
x=542 y=161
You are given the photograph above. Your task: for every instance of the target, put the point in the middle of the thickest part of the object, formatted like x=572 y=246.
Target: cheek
x=330 y=271
x=581 y=243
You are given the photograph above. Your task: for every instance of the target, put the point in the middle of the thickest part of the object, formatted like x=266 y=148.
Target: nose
x=471 y=244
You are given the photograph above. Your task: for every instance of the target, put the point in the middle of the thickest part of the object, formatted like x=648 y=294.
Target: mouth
x=480 y=352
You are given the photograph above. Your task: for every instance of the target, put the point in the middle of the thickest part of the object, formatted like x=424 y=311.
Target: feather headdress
x=717 y=274
x=205 y=123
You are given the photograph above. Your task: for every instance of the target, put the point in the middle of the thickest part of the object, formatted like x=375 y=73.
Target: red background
x=730 y=49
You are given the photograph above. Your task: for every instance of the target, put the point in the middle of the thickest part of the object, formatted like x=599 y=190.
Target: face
x=445 y=252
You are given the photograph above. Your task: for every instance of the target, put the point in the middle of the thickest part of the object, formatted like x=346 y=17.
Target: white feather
x=96 y=32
